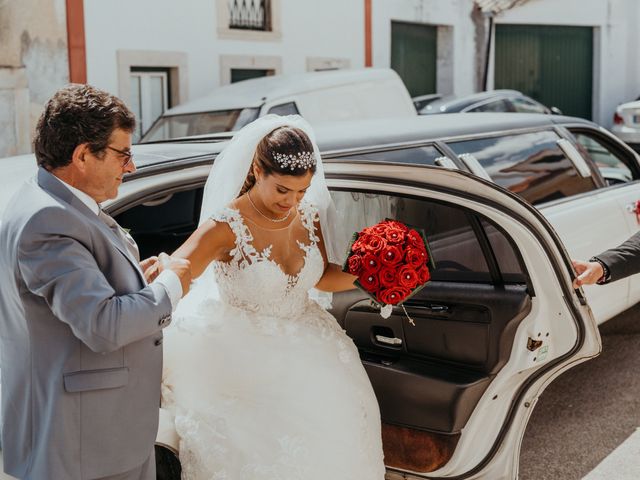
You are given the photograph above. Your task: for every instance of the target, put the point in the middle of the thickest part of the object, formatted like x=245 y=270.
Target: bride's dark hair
x=282 y=140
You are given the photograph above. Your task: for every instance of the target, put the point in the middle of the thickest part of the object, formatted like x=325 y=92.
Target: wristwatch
x=606 y=276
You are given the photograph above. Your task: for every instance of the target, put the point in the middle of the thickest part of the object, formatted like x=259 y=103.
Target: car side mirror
x=555 y=111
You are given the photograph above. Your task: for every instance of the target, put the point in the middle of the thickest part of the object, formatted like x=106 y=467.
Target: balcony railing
x=250 y=14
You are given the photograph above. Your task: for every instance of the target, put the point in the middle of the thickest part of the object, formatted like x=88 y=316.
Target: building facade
x=578 y=55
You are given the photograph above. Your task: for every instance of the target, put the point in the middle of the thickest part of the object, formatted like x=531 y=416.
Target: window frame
x=625 y=154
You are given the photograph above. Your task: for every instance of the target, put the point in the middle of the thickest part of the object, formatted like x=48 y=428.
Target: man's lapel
x=55 y=187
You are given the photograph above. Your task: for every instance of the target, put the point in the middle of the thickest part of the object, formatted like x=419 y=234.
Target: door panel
x=414 y=55
x=551 y=64
x=462 y=336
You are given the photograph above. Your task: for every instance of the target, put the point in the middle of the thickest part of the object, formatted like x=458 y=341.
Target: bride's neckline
x=253 y=222
x=234 y=206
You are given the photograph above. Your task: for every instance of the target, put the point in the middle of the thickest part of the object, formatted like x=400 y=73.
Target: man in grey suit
x=80 y=326
x=614 y=264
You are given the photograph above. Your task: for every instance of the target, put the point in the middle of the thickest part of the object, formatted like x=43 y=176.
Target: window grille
x=250 y=14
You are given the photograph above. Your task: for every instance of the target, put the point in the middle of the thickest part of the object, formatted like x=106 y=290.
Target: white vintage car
x=505 y=200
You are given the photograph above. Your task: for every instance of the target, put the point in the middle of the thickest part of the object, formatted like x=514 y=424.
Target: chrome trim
x=574 y=156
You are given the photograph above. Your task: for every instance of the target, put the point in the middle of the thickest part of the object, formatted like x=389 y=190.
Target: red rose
x=379 y=229
x=387 y=277
x=415 y=239
x=358 y=247
x=392 y=296
x=391 y=255
x=369 y=281
x=415 y=257
x=375 y=243
x=354 y=264
x=399 y=225
x=395 y=235
x=408 y=277
x=370 y=263
x=424 y=275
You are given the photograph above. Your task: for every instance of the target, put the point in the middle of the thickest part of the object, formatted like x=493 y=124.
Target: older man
x=80 y=326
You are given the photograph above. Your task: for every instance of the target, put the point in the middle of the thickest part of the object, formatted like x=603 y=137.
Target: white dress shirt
x=168 y=278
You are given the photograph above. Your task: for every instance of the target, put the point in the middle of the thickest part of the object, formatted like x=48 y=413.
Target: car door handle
x=393 y=341
x=433 y=308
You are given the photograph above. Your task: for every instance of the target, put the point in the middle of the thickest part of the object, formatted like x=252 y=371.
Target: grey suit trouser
x=146 y=471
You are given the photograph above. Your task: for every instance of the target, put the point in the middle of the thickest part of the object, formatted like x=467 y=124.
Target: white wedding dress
x=263 y=382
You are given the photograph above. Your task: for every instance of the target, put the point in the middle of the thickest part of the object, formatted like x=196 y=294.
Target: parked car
x=626 y=123
x=318 y=96
x=490 y=101
x=499 y=196
x=423 y=100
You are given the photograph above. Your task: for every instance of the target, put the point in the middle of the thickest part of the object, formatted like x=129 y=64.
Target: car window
x=175 y=126
x=529 y=164
x=611 y=167
x=523 y=105
x=285 y=109
x=497 y=106
x=424 y=155
x=454 y=244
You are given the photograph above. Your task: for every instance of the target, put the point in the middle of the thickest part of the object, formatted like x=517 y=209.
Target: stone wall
x=33 y=65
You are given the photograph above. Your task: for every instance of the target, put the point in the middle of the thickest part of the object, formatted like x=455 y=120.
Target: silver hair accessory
x=304 y=160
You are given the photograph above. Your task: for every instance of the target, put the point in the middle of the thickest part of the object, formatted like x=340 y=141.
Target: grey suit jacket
x=80 y=341
x=623 y=260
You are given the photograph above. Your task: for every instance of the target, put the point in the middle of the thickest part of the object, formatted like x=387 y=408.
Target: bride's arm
x=333 y=279
x=211 y=241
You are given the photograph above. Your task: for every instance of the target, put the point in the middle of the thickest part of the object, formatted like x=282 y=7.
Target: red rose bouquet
x=391 y=261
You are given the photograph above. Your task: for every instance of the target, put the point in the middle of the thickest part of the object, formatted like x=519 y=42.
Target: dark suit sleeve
x=624 y=260
x=62 y=271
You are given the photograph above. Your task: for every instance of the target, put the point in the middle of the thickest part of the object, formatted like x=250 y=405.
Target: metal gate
x=414 y=55
x=553 y=64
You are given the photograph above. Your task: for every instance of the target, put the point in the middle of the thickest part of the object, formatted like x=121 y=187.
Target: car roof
x=454 y=103
x=423 y=128
x=257 y=91
x=339 y=136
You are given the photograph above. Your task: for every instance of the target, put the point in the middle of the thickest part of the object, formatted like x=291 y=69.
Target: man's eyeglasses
x=128 y=155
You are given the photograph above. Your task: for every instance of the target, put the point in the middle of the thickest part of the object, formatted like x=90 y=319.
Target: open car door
x=496 y=324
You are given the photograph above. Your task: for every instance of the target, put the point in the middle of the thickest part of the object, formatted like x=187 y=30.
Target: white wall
x=335 y=29
x=308 y=28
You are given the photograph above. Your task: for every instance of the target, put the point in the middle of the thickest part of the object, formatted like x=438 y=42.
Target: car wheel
x=167 y=464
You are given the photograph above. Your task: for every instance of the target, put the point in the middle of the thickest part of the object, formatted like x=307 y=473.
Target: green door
x=413 y=56
x=552 y=64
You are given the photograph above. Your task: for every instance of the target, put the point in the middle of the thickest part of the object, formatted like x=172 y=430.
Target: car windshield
x=175 y=126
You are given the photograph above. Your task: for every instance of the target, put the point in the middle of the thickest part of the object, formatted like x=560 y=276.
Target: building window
x=250 y=14
x=235 y=68
x=150 y=97
x=249 y=20
x=240 y=74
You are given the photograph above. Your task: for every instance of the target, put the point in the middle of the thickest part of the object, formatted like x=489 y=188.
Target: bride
x=261 y=380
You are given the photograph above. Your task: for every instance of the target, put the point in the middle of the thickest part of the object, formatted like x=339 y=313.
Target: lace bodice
x=252 y=280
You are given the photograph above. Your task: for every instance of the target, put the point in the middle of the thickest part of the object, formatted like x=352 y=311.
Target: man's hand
x=151 y=268
x=588 y=273
x=180 y=266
